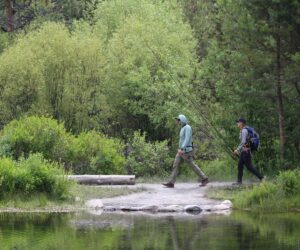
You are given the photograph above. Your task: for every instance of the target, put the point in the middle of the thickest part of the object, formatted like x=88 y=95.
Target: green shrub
x=34 y=175
x=288 y=182
x=34 y=135
x=89 y=152
x=92 y=152
x=259 y=194
x=282 y=194
x=7 y=176
x=220 y=170
x=148 y=159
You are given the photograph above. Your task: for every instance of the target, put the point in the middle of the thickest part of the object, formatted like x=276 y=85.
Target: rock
x=134 y=209
x=206 y=208
x=228 y=203
x=125 y=208
x=194 y=209
x=94 y=204
x=171 y=208
x=219 y=207
x=150 y=208
x=225 y=205
x=111 y=208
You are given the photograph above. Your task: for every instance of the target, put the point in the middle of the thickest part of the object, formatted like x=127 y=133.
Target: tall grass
x=281 y=194
x=32 y=176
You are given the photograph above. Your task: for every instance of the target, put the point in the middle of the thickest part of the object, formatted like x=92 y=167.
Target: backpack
x=253 y=138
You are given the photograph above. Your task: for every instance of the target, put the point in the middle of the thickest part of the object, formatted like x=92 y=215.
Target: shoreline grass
x=78 y=195
x=264 y=197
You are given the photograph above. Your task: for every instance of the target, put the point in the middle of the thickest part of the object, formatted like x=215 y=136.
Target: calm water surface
x=115 y=231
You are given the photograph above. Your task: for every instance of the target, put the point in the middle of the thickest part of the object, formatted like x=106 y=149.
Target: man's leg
x=250 y=166
x=189 y=158
x=240 y=168
x=175 y=171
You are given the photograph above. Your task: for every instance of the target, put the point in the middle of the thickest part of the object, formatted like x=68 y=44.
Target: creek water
x=240 y=230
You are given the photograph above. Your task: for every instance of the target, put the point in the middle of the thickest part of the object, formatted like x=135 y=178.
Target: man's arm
x=243 y=140
x=187 y=137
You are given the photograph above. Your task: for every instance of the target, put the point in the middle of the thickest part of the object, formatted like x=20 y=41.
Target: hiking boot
x=204 y=182
x=169 y=185
x=238 y=183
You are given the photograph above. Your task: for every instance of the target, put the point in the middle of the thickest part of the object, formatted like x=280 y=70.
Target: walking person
x=185 y=153
x=244 y=152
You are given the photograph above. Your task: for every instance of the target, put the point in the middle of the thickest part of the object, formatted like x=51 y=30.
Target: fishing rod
x=218 y=135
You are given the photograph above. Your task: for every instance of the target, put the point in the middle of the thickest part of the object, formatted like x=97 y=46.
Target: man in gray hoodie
x=185 y=153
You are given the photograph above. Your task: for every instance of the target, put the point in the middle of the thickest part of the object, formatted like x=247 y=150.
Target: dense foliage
x=89 y=152
x=32 y=176
x=280 y=195
x=118 y=66
x=248 y=54
x=148 y=159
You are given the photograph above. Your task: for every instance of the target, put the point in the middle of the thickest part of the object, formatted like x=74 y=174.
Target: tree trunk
x=280 y=108
x=9 y=15
x=103 y=179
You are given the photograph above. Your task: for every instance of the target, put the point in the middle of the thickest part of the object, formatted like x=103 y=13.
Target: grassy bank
x=77 y=197
x=278 y=195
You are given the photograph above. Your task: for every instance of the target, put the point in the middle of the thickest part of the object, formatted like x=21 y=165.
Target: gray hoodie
x=185 y=137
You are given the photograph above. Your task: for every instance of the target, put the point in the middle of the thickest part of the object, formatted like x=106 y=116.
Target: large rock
x=225 y=205
x=170 y=209
x=111 y=208
x=94 y=204
x=149 y=208
x=194 y=209
x=227 y=202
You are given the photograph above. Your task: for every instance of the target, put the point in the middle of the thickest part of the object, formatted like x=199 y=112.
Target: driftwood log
x=103 y=179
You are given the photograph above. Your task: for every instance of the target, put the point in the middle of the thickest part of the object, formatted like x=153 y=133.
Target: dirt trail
x=155 y=194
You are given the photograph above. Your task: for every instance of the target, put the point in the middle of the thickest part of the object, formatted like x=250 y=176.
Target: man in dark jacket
x=185 y=153
x=244 y=152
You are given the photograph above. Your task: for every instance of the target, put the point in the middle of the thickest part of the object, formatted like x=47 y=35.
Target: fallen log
x=103 y=179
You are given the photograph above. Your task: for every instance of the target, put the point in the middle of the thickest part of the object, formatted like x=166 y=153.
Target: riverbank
x=184 y=197
x=278 y=195
x=79 y=194
x=154 y=198
x=142 y=197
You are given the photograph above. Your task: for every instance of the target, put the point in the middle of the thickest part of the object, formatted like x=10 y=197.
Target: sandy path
x=156 y=194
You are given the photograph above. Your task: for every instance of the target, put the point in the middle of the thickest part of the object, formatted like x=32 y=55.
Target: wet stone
x=194 y=209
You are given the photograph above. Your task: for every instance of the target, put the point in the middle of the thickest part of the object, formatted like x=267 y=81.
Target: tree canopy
x=119 y=66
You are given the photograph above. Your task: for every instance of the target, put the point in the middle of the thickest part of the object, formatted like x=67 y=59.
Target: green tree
x=58 y=76
x=247 y=71
x=149 y=63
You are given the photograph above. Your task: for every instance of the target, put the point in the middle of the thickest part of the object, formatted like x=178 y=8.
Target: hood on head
x=183 y=120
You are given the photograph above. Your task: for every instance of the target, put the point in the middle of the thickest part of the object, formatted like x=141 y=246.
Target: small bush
x=92 y=152
x=89 y=152
x=280 y=195
x=7 y=176
x=34 y=175
x=288 y=182
x=148 y=159
x=34 y=135
x=259 y=194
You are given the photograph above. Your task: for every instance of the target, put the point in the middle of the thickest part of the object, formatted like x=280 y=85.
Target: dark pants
x=246 y=159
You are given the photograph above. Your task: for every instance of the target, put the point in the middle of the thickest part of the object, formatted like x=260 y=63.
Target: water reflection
x=131 y=231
